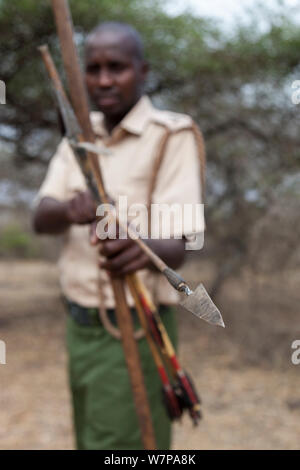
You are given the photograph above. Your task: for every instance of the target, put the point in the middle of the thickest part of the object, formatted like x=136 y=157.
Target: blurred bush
x=16 y=242
x=235 y=84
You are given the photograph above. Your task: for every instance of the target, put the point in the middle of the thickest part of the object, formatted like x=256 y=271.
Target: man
x=153 y=158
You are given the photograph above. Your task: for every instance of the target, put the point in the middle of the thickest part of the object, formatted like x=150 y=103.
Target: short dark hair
x=121 y=28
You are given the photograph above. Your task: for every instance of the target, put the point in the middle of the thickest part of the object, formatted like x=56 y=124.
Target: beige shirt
x=133 y=147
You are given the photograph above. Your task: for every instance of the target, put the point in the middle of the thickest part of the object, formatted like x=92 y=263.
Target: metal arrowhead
x=200 y=304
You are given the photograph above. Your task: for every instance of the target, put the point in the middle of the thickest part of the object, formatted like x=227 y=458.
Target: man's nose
x=105 y=79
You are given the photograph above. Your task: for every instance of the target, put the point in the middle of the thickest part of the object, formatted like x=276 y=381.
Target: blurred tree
x=237 y=86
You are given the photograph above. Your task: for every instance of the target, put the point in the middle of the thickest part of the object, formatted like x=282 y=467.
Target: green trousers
x=103 y=408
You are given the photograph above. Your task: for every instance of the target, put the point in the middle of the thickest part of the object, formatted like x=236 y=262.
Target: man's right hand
x=54 y=217
x=81 y=209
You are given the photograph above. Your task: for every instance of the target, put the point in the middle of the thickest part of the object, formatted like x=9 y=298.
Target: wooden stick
x=80 y=105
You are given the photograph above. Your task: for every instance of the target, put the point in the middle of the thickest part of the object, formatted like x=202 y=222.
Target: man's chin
x=109 y=108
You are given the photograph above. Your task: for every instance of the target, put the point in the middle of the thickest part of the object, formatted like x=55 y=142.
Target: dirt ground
x=250 y=389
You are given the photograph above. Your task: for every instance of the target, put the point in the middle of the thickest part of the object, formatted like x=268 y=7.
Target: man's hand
x=81 y=209
x=122 y=257
x=54 y=217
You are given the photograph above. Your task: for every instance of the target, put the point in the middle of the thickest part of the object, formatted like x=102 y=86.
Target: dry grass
x=249 y=388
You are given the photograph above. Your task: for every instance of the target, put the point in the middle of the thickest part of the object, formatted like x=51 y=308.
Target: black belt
x=89 y=316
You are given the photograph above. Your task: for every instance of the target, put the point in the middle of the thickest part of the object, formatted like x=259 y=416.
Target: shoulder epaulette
x=172 y=121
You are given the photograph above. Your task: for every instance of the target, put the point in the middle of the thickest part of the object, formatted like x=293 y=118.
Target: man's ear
x=144 y=70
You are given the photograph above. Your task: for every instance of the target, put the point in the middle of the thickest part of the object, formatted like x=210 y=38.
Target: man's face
x=114 y=75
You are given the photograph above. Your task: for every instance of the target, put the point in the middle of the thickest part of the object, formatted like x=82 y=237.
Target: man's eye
x=92 y=69
x=117 y=66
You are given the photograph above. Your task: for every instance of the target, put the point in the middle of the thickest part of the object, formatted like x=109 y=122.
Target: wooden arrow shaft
x=81 y=108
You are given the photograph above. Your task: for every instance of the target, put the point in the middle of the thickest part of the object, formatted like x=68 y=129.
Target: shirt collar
x=134 y=122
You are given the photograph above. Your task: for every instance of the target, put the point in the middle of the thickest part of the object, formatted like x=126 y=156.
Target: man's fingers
x=81 y=208
x=87 y=205
x=136 y=264
x=110 y=248
x=120 y=260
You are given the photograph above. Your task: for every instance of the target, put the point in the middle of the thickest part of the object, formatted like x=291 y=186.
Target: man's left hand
x=122 y=257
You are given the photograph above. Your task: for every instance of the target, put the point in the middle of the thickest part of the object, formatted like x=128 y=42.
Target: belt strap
x=89 y=316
